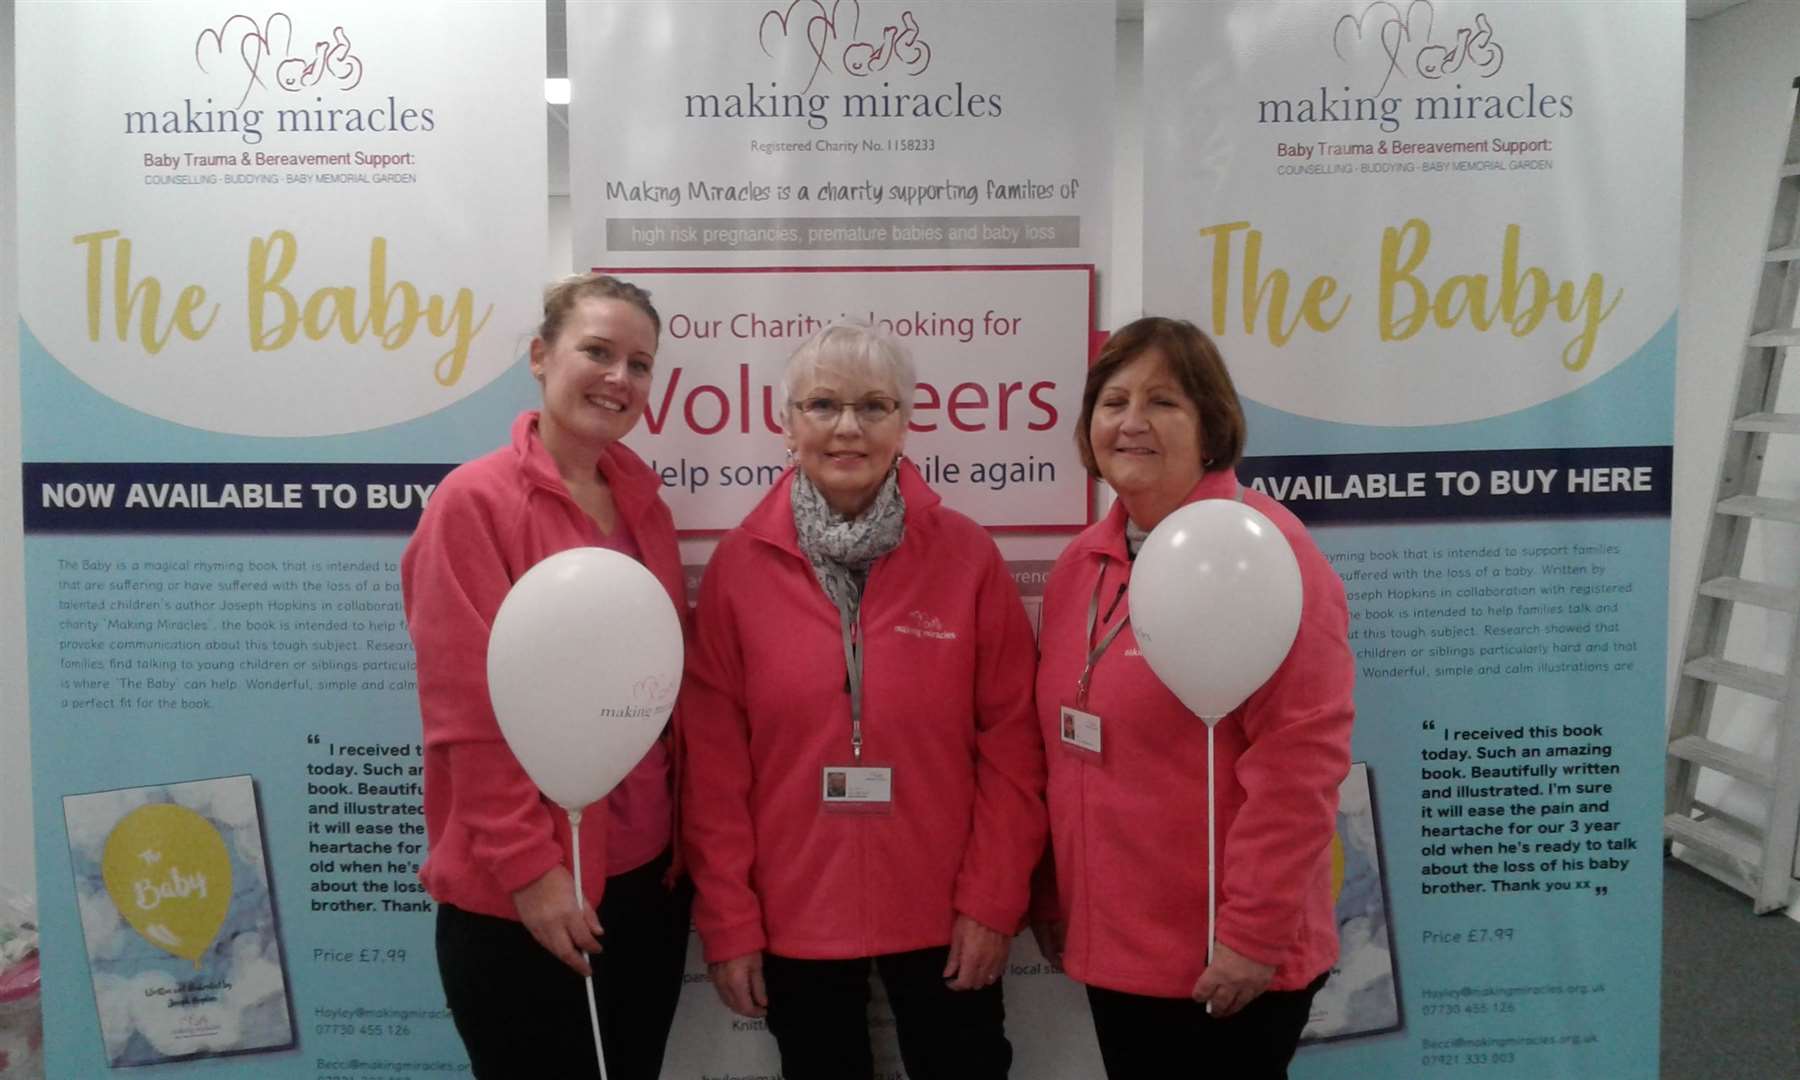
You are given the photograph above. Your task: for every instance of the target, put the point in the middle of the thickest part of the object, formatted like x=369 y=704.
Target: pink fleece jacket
x=1129 y=834
x=946 y=704
x=490 y=832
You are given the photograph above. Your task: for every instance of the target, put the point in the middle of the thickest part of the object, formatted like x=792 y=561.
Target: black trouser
x=1151 y=1038
x=521 y=1012
x=819 y=1015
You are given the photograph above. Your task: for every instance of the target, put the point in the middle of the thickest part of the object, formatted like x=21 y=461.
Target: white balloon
x=583 y=664
x=1215 y=603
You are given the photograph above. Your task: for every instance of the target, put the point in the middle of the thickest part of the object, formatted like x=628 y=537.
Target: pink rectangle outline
x=1086 y=351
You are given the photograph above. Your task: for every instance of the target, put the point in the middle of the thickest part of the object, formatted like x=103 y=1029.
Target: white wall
x=15 y=750
x=1122 y=284
x=1740 y=102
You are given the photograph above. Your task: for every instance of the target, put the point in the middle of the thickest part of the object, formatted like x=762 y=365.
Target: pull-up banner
x=1436 y=242
x=935 y=168
x=277 y=267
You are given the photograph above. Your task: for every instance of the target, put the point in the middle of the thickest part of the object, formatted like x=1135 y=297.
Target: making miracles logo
x=923 y=625
x=823 y=36
x=251 y=58
x=836 y=43
x=1387 y=46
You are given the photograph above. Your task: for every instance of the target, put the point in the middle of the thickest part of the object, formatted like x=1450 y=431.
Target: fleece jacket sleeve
x=717 y=834
x=1006 y=836
x=454 y=579
x=1297 y=728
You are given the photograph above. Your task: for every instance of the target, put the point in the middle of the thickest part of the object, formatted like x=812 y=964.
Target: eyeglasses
x=869 y=411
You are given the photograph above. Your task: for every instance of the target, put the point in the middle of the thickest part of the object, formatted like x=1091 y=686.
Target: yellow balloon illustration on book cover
x=168 y=872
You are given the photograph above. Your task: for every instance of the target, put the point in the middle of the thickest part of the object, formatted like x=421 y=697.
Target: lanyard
x=1095 y=651
x=853 y=677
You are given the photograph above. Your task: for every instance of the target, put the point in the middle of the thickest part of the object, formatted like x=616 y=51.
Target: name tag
x=1081 y=733
x=857 y=789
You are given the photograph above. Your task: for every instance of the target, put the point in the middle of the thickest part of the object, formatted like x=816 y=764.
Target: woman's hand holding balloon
x=1231 y=981
x=549 y=910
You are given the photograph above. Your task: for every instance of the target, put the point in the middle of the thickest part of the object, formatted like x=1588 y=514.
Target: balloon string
x=1212 y=862
x=581 y=902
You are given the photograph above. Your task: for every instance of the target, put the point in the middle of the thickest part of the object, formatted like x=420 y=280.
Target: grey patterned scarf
x=842 y=549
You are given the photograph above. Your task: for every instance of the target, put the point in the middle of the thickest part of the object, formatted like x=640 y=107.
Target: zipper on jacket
x=861 y=638
x=862 y=835
x=1087 y=890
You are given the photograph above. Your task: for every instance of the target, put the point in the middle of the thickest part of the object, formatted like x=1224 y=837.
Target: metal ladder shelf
x=1759 y=861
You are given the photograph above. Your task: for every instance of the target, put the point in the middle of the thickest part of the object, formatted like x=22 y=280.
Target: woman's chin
x=600 y=429
x=1134 y=478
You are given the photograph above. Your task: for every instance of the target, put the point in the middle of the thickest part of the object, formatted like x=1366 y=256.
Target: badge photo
x=857 y=789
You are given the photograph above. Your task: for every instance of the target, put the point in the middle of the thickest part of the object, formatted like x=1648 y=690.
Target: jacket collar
x=633 y=484
x=1107 y=536
x=772 y=520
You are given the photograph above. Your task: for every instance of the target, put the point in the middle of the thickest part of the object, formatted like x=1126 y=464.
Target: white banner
x=713 y=133
x=766 y=168
x=1428 y=198
x=280 y=224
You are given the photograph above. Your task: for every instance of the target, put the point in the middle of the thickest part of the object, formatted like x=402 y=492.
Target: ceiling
x=1700 y=9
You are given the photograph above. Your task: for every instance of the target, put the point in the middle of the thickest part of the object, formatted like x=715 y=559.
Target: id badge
x=857 y=789
x=1081 y=733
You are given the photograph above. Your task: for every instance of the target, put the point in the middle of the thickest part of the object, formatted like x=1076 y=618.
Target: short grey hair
x=852 y=345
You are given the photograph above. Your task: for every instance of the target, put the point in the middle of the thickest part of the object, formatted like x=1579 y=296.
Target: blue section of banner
x=1542 y=642
x=264 y=498
x=1338 y=489
x=1631 y=405
x=89 y=426
x=164 y=659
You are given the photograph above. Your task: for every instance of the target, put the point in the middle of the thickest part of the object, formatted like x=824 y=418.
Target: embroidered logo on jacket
x=925 y=626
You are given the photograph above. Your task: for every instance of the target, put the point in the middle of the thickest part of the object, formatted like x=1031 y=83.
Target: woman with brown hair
x=1127 y=916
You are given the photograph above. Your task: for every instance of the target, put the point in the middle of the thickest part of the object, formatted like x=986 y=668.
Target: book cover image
x=1362 y=996
x=179 y=921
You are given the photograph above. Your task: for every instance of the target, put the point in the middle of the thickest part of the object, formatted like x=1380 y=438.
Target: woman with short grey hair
x=864 y=786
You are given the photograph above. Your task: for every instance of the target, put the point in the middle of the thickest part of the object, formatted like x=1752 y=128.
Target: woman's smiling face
x=848 y=451
x=1145 y=430
x=596 y=374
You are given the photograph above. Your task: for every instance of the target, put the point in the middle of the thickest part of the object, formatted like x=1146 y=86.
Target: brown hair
x=560 y=298
x=1199 y=368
